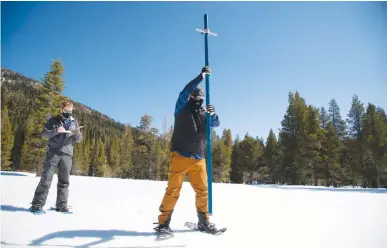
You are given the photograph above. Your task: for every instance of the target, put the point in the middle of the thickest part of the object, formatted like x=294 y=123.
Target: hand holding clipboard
x=70 y=131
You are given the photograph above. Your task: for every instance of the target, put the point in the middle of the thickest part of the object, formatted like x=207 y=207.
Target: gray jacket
x=62 y=142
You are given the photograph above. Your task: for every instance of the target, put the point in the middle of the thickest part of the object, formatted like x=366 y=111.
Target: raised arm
x=186 y=92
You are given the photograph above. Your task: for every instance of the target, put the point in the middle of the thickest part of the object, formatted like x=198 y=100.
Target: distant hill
x=109 y=148
x=12 y=81
x=19 y=91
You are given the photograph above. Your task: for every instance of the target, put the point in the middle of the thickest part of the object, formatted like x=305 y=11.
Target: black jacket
x=189 y=134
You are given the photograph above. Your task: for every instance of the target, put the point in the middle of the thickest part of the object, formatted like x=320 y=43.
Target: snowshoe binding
x=205 y=226
x=163 y=231
x=37 y=210
x=62 y=209
x=210 y=228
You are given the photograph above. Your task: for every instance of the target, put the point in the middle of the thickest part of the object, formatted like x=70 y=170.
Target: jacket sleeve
x=49 y=130
x=184 y=94
x=215 y=120
x=78 y=137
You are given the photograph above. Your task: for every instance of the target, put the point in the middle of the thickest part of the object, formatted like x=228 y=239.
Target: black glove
x=206 y=70
x=210 y=109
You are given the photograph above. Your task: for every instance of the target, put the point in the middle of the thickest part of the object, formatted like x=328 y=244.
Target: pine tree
x=375 y=141
x=47 y=104
x=114 y=155
x=94 y=151
x=165 y=145
x=126 y=152
x=236 y=174
x=78 y=160
x=382 y=114
x=382 y=154
x=219 y=160
x=143 y=152
x=159 y=157
x=100 y=161
x=349 y=175
x=288 y=143
x=271 y=156
x=309 y=145
x=221 y=156
x=263 y=170
x=86 y=156
x=302 y=171
x=154 y=155
x=53 y=81
x=26 y=159
x=227 y=139
x=355 y=118
x=7 y=140
x=331 y=154
x=140 y=162
x=336 y=119
x=354 y=149
x=324 y=118
x=249 y=155
x=292 y=136
x=145 y=123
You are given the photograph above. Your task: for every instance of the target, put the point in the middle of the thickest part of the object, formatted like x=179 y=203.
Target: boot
x=36 y=209
x=204 y=225
x=164 y=228
x=62 y=209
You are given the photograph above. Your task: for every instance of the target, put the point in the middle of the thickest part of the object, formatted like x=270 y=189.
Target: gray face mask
x=66 y=113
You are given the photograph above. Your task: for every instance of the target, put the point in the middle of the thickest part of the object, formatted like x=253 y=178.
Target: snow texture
x=121 y=212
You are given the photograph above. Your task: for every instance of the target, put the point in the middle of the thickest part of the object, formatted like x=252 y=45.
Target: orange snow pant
x=197 y=174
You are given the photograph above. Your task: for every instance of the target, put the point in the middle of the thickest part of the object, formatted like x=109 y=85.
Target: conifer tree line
x=315 y=145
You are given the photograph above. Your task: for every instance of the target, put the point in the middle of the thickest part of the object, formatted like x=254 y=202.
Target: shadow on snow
x=6 y=173
x=102 y=235
x=45 y=245
x=10 y=208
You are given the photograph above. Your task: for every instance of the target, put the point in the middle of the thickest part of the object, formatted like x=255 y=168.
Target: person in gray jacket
x=62 y=132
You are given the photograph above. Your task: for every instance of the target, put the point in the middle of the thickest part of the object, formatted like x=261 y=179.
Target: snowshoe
x=204 y=225
x=205 y=228
x=163 y=231
x=37 y=210
x=62 y=209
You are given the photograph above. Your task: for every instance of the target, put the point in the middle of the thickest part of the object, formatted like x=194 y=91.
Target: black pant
x=53 y=161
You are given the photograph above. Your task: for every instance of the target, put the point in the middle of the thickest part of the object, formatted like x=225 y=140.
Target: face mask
x=198 y=103
x=195 y=104
x=66 y=113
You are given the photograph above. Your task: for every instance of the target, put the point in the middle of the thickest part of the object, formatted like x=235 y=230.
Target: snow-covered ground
x=121 y=213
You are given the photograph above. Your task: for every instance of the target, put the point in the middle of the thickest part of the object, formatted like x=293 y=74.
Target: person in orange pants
x=187 y=153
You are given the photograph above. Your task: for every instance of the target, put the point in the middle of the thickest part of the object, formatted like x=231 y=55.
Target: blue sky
x=127 y=59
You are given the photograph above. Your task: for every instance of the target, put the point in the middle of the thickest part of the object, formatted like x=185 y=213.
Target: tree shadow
x=316 y=188
x=10 y=208
x=6 y=173
x=103 y=235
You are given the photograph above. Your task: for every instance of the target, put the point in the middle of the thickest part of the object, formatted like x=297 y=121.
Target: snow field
x=121 y=212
